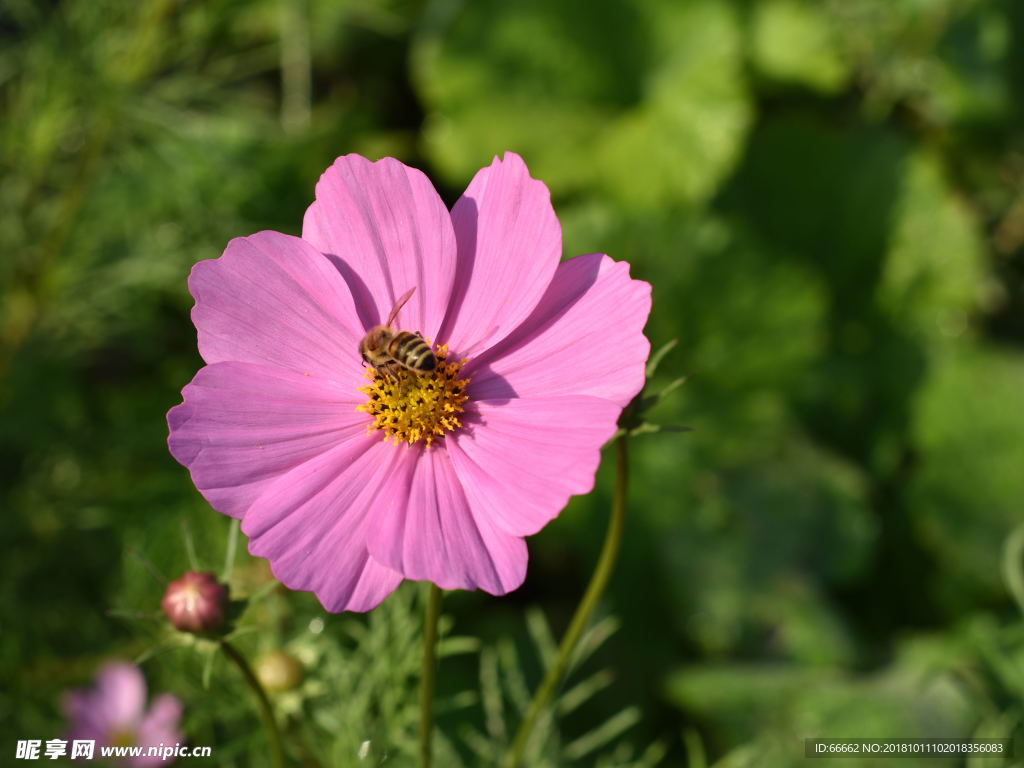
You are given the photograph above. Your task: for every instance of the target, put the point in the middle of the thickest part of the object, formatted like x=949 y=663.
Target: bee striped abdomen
x=412 y=351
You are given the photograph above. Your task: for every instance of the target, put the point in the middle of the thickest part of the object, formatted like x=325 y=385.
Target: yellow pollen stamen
x=410 y=406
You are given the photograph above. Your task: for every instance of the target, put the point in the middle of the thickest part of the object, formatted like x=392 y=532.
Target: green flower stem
x=598 y=582
x=296 y=77
x=266 y=711
x=428 y=673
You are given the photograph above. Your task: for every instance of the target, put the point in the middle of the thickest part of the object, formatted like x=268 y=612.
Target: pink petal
x=84 y=720
x=585 y=338
x=159 y=726
x=390 y=232
x=312 y=523
x=509 y=245
x=120 y=695
x=243 y=425
x=519 y=461
x=439 y=536
x=163 y=715
x=272 y=298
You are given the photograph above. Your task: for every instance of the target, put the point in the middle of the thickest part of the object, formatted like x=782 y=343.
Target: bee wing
x=399 y=304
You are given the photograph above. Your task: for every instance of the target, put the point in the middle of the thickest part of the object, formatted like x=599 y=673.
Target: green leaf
x=696 y=757
x=663 y=81
x=778 y=705
x=933 y=276
x=966 y=497
x=659 y=355
x=1013 y=565
x=584 y=690
x=686 y=133
x=541 y=635
x=794 y=41
x=598 y=737
x=756 y=543
x=533 y=77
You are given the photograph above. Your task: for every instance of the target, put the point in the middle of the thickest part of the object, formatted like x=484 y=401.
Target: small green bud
x=279 y=671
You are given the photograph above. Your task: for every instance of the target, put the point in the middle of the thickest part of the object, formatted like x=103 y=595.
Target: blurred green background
x=828 y=198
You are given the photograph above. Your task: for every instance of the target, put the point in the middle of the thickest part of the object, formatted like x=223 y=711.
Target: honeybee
x=388 y=350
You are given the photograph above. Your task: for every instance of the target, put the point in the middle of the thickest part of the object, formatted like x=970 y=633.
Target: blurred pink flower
x=113 y=714
x=283 y=429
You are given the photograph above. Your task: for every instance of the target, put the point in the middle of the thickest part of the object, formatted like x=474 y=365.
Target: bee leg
x=391 y=371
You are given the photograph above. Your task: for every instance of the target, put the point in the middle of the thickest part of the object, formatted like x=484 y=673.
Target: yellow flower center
x=122 y=737
x=409 y=406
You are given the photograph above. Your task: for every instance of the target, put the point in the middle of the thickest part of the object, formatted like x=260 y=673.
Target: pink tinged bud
x=196 y=603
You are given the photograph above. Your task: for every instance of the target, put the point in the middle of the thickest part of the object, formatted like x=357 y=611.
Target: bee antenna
x=399 y=304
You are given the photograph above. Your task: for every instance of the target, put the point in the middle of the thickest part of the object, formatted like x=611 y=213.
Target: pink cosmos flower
x=113 y=714
x=348 y=480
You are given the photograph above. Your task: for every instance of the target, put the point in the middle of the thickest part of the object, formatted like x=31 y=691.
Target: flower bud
x=279 y=671
x=196 y=603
